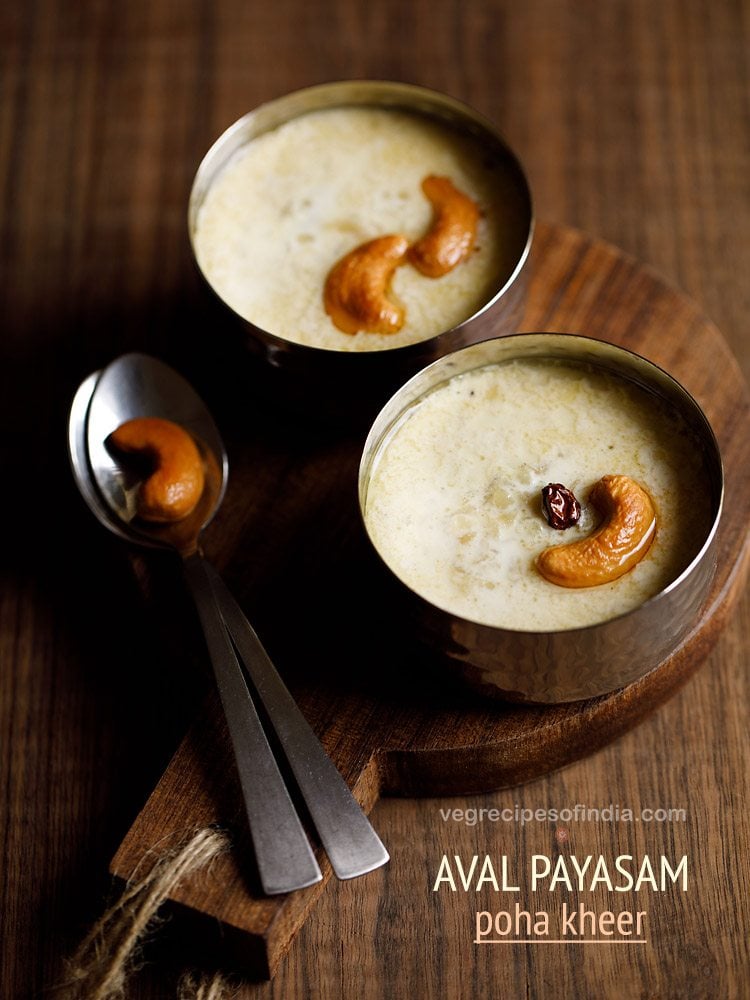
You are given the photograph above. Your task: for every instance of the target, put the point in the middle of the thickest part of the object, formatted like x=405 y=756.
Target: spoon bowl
x=136 y=385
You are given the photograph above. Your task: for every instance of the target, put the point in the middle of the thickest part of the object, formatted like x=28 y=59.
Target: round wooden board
x=582 y=285
x=429 y=736
x=289 y=543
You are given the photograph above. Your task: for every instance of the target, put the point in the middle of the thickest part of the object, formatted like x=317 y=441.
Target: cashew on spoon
x=452 y=233
x=175 y=475
x=616 y=546
x=355 y=294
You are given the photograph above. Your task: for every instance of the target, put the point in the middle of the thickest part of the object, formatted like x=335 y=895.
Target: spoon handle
x=352 y=845
x=282 y=851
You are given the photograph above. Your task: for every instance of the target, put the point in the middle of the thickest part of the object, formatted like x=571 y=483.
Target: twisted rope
x=100 y=967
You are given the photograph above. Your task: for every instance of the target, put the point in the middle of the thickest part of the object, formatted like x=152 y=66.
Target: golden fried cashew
x=176 y=477
x=619 y=543
x=355 y=294
x=452 y=233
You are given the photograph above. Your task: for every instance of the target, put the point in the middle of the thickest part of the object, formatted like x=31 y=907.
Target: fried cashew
x=452 y=233
x=616 y=546
x=175 y=475
x=355 y=293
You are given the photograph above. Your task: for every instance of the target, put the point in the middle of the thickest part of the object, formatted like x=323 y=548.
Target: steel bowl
x=354 y=375
x=576 y=663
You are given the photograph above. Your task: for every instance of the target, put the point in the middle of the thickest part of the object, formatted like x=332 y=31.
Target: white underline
x=560 y=941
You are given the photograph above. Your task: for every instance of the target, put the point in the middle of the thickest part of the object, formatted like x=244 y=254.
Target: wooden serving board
x=394 y=721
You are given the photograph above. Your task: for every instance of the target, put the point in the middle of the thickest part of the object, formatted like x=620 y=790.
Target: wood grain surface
x=632 y=120
x=401 y=723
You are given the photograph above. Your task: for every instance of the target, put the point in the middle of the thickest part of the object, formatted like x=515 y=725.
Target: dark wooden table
x=632 y=120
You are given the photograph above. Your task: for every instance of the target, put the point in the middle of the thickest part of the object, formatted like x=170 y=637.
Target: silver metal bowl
x=358 y=372
x=567 y=665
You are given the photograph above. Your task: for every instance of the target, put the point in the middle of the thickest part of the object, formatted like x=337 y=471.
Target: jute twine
x=100 y=967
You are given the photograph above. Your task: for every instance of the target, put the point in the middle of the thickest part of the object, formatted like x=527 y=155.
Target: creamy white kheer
x=453 y=502
x=295 y=200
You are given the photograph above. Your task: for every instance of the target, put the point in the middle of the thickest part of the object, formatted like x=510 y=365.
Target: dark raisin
x=560 y=506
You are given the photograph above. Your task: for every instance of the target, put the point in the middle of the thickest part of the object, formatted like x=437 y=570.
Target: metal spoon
x=136 y=385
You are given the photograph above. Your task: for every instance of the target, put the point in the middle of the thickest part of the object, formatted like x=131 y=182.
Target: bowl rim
x=330 y=95
x=372 y=446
